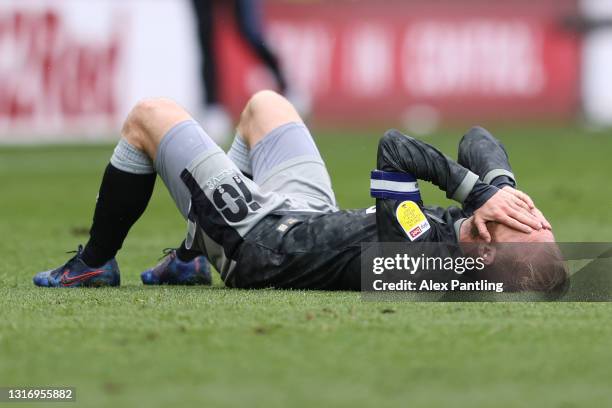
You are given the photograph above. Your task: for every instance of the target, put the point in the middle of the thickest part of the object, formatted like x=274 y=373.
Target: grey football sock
x=131 y=160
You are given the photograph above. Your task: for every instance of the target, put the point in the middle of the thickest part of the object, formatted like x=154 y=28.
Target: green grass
x=137 y=346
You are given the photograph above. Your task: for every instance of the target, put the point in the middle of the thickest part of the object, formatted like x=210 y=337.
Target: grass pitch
x=137 y=346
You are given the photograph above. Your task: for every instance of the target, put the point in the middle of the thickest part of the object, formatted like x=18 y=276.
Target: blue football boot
x=75 y=273
x=172 y=271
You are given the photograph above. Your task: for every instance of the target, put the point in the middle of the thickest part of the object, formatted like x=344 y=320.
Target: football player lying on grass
x=265 y=215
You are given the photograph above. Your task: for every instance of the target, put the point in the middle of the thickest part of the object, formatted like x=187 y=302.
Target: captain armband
x=394 y=185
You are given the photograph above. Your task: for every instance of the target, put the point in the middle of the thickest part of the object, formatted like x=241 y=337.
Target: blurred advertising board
x=71 y=68
x=372 y=60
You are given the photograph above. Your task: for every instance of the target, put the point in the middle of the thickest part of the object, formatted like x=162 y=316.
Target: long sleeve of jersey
x=486 y=156
x=398 y=152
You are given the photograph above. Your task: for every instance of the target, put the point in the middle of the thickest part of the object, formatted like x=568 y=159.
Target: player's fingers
x=518 y=202
x=537 y=213
x=523 y=209
x=517 y=225
x=534 y=221
x=527 y=220
x=524 y=198
x=481 y=225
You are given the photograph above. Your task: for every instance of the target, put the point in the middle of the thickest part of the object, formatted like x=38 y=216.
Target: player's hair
x=533 y=267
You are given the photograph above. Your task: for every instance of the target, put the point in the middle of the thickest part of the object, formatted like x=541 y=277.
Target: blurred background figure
x=71 y=70
x=594 y=24
x=248 y=18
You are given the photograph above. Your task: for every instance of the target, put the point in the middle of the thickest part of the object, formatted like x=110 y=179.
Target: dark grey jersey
x=310 y=250
x=304 y=251
x=320 y=251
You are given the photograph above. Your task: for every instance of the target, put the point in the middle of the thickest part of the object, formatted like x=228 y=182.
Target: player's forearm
x=398 y=152
x=486 y=156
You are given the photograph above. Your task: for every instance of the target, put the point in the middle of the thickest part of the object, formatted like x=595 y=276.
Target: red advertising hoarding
x=371 y=60
x=51 y=78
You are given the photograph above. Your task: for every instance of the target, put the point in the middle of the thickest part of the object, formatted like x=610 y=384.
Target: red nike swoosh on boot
x=69 y=281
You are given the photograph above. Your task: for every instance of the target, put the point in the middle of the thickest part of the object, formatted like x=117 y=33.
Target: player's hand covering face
x=538 y=214
x=513 y=209
x=526 y=199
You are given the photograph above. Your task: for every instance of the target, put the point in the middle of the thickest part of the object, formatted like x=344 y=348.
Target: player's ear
x=487 y=253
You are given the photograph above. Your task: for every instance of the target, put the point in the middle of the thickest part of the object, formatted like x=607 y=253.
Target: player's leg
x=124 y=193
x=282 y=155
x=239 y=152
x=264 y=112
x=149 y=123
x=221 y=204
x=203 y=10
x=248 y=18
x=275 y=146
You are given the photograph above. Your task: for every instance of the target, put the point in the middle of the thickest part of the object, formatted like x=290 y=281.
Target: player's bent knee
x=155 y=112
x=150 y=119
x=132 y=129
x=264 y=112
x=266 y=97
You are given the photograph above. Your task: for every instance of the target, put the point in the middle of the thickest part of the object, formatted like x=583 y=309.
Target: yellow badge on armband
x=412 y=219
